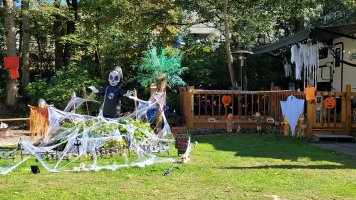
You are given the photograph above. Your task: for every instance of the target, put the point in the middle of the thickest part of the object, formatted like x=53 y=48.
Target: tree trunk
x=25 y=44
x=97 y=51
x=40 y=53
x=298 y=25
x=68 y=47
x=10 y=49
x=58 y=33
x=97 y=61
x=161 y=88
x=20 y=38
x=228 y=49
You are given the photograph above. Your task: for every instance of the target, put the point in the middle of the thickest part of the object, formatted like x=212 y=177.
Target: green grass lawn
x=246 y=166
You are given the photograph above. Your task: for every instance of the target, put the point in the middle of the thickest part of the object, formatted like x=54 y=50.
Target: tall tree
x=228 y=47
x=10 y=48
x=25 y=43
x=68 y=47
x=58 y=33
x=235 y=19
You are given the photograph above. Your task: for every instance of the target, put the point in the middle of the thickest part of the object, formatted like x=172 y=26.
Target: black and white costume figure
x=112 y=94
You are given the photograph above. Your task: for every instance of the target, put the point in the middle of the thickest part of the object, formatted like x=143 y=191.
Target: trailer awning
x=316 y=34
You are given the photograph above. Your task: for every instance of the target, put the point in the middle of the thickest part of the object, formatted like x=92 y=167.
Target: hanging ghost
x=113 y=94
x=291 y=110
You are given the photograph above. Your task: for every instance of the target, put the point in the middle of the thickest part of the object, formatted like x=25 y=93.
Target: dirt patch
x=20 y=111
x=14 y=138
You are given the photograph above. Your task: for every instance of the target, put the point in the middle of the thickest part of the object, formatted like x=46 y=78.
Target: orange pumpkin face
x=329 y=103
x=226 y=99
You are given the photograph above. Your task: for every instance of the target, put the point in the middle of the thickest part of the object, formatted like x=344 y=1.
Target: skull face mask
x=115 y=77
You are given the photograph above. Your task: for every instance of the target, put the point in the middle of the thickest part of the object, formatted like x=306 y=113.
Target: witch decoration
x=113 y=94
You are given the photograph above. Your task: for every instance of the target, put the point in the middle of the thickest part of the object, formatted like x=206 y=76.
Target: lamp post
x=242 y=55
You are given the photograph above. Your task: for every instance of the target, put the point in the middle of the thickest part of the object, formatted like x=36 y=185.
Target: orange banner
x=310 y=93
x=38 y=121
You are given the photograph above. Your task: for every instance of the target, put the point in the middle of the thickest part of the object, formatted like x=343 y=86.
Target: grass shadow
x=283 y=148
x=291 y=167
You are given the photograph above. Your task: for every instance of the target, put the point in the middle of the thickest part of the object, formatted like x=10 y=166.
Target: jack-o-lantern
x=329 y=103
x=226 y=100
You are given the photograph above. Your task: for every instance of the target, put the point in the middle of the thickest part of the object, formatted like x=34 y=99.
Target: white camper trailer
x=337 y=61
x=337 y=67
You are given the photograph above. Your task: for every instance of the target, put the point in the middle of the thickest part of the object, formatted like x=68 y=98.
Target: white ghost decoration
x=292 y=109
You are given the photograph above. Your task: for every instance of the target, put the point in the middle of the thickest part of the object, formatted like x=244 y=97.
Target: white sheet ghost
x=291 y=110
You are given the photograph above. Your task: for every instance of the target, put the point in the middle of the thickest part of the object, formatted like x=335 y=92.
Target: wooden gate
x=340 y=119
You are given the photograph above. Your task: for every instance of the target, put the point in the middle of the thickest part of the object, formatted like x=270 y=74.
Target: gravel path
x=14 y=137
x=346 y=148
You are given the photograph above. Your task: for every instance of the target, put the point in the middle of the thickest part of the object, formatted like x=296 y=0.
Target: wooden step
x=332 y=138
x=335 y=131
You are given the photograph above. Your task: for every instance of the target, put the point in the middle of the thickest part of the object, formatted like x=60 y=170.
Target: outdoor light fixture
x=242 y=55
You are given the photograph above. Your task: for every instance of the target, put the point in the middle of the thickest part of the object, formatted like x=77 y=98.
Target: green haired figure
x=163 y=69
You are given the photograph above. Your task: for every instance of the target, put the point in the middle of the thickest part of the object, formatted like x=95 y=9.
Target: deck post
x=273 y=104
x=348 y=109
x=182 y=104
x=190 y=107
x=310 y=117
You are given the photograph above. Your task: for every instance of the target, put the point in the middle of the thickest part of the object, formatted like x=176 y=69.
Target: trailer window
x=337 y=57
x=323 y=53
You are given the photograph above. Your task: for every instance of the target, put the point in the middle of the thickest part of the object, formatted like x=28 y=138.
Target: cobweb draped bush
x=79 y=142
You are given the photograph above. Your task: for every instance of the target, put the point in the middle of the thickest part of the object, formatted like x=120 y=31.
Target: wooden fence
x=205 y=109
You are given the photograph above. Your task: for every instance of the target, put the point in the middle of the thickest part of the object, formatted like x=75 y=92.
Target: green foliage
x=58 y=89
x=114 y=143
x=121 y=30
x=335 y=13
x=155 y=64
x=3 y=79
x=104 y=128
x=205 y=67
x=271 y=130
x=262 y=70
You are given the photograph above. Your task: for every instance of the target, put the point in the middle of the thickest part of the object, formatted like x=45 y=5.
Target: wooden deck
x=198 y=106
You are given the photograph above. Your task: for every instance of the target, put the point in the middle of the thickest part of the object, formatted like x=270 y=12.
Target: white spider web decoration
x=79 y=146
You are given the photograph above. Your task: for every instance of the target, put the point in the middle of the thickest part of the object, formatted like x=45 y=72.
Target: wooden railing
x=338 y=120
x=330 y=118
x=205 y=109
x=198 y=107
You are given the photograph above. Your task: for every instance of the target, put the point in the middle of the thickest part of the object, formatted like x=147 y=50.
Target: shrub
x=57 y=90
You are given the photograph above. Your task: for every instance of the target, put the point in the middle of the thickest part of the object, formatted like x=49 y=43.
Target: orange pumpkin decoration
x=329 y=103
x=226 y=100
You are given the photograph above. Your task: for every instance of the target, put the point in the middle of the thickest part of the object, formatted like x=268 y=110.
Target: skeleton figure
x=112 y=94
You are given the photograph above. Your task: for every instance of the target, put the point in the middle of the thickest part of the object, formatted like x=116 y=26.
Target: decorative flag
x=38 y=121
x=310 y=93
x=11 y=63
